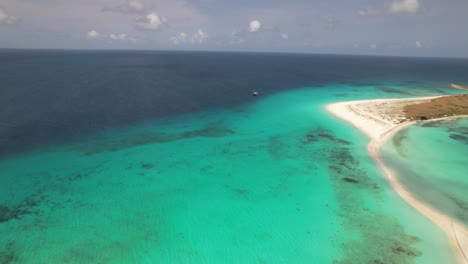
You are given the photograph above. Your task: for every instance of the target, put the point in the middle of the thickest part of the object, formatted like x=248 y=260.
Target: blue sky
x=379 y=27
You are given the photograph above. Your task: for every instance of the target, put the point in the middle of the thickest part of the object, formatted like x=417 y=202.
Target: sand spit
x=381 y=119
x=459 y=87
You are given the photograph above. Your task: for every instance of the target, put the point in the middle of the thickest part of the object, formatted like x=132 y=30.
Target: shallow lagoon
x=430 y=159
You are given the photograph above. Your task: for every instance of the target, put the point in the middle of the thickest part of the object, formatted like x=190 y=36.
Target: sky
x=370 y=27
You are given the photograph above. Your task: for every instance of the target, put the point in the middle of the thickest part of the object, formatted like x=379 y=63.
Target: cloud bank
x=198 y=37
x=254 y=26
x=121 y=36
x=93 y=34
x=151 y=21
x=129 y=7
x=6 y=19
x=368 y=12
x=408 y=6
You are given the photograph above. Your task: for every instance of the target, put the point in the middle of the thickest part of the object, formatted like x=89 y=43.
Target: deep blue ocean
x=167 y=157
x=51 y=96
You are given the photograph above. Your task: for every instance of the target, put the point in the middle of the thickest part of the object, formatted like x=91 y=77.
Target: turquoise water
x=430 y=159
x=277 y=180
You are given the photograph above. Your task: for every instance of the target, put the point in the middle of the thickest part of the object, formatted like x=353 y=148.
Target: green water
x=430 y=159
x=277 y=181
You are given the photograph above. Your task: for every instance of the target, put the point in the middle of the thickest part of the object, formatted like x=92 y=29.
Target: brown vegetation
x=439 y=107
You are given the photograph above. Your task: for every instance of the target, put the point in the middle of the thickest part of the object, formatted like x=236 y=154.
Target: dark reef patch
x=350 y=180
x=239 y=147
x=26 y=207
x=212 y=130
x=281 y=147
x=400 y=249
x=341 y=95
x=393 y=90
x=333 y=138
x=320 y=134
x=75 y=176
x=460 y=138
x=147 y=166
x=85 y=172
x=238 y=192
x=432 y=124
x=459 y=130
x=462 y=208
x=344 y=168
x=8 y=254
x=382 y=237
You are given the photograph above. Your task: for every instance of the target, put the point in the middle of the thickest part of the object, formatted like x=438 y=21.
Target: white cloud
x=135 y=5
x=179 y=39
x=418 y=44
x=6 y=19
x=151 y=21
x=114 y=37
x=409 y=6
x=254 y=26
x=93 y=34
x=121 y=37
x=284 y=36
x=373 y=46
x=130 y=6
x=198 y=37
x=368 y=12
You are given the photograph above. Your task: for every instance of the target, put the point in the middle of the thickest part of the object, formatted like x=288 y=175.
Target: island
x=380 y=119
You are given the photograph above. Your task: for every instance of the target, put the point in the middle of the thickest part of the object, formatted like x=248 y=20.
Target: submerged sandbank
x=381 y=119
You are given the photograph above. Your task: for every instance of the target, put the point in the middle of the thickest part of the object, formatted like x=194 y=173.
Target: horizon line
x=230 y=51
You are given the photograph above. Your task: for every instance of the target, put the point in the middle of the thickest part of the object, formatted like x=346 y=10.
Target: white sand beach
x=380 y=119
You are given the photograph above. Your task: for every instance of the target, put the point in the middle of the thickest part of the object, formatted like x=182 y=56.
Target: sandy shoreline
x=380 y=120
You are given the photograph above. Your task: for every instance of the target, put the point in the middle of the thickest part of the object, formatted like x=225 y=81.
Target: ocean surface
x=166 y=157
